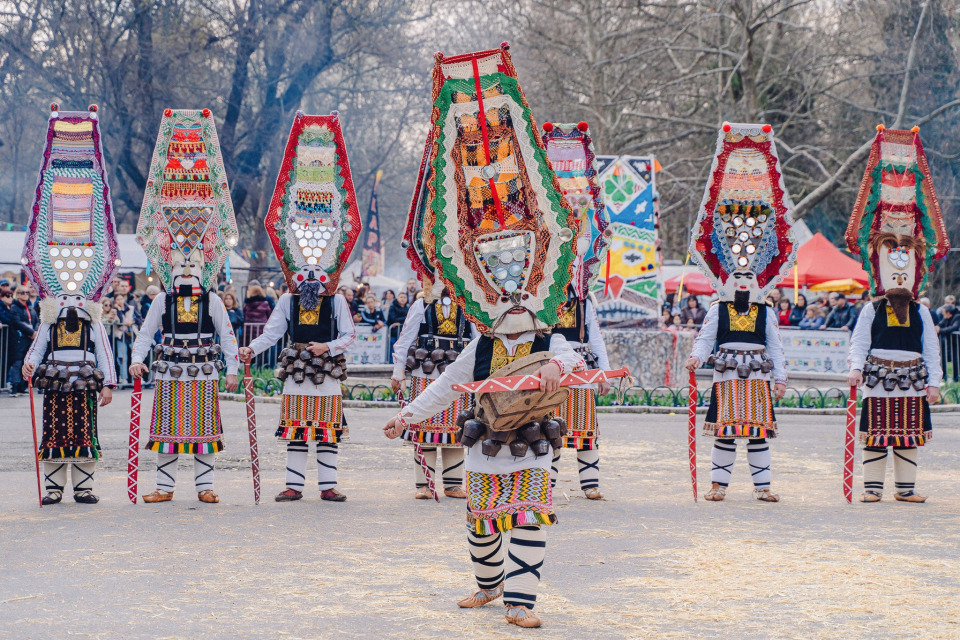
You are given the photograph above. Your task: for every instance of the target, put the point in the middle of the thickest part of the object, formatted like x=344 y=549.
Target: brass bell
x=66 y=387
x=305 y=355
x=184 y=354
x=883 y=372
x=162 y=366
x=42 y=383
x=157 y=350
x=299 y=365
x=541 y=448
x=176 y=371
x=711 y=359
x=551 y=429
x=310 y=370
x=40 y=372
x=563 y=425
x=441 y=367
x=411 y=351
x=215 y=349
x=207 y=369
x=766 y=366
x=490 y=448
x=732 y=363
x=316 y=362
x=889 y=383
x=319 y=378
x=871 y=381
x=500 y=436
x=327 y=366
x=98 y=375
x=421 y=354
x=437 y=355
x=463 y=416
x=451 y=355
x=280 y=373
x=336 y=372
x=80 y=385
x=743 y=371
x=289 y=369
x=530 y=433
x=904 y=383
x=86 y=371
x=55 y=384
x=428 y=366
x=193 y=370
x=154 y=365
x=518 y=448
x=202 y=352
x=755 y=365
x=919 y=385
x=168 y=352
x=62 y=373
x=473 y=430
x=719 y=365
x=298 y=376
x=343 y=376
x=411 y=363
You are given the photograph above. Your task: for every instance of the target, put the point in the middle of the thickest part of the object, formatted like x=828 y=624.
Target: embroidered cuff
x=780 y=381
x=403 y=423
x=559 y=363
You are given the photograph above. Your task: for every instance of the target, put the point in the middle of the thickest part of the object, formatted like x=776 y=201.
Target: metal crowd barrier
x=4 y=354
x=950 y=356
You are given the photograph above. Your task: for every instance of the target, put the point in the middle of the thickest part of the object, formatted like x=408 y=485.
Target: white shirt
x=276 y=328
x=221 y=323
x=707 y=338
x=594 y=341
x=861 y=339
x=101 y=345
x=408 y=337
x=439 y=395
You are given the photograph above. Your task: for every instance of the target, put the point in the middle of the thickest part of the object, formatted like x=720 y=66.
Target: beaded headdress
x=503 y=233
x=742 y=239
x=897 y=228
x=187 y=225
x=313 y=221
x=71 y=243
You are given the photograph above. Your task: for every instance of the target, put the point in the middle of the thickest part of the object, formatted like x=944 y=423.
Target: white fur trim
x=50 y=310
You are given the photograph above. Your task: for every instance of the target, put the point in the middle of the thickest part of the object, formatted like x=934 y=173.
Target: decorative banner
x=370 y=347
x=372 y=257
x=824 y=351
x=630 y=287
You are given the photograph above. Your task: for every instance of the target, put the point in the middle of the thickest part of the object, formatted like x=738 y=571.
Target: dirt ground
x=646 y=562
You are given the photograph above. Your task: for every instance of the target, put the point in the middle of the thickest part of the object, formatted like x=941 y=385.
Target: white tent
x=351 y=277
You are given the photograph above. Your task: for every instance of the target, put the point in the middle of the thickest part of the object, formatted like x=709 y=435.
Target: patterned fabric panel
x=741 y=409
x=501 y=358
x=895 y=422
x=317 y=418
x=441 y=429
x=186 y=417
x=580 y=412
x=500 y=502
x=69 y=427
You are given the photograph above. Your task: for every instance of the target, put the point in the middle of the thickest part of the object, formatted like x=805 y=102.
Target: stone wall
x=649 y=353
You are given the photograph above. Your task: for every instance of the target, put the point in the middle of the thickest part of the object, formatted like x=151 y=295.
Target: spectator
x=256 y=312
x=5 y=287
x=351 y=300
x=6 y=301
x=397 y=314
x=387 y=301
x=35 y=297
x=692 y=313
x=843 y=316
x=951 y=300
x=272 y=296
x=24 y=321
x=412 y=289
x=774 y=297
x=152 y=292
x=799 y=311
x=235 y=313
x=371 y=314
x=813 y=319
x=783 y=313
x=950 y=322
x=933 y=312
x=667 y=316
x=114 y=285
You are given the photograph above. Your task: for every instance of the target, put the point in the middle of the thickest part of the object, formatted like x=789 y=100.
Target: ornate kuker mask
x=896 y=227
x=187 y=225
x=313 y=221
x=503 y=234
x=742 y=239
x=71 y=243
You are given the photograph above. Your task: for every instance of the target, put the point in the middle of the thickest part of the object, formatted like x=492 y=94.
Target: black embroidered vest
x=63 y=340
x=182 y=324
x=750 y=328
x=319 y=325
x=485 y=354
x=573 y=325
x=884 y=335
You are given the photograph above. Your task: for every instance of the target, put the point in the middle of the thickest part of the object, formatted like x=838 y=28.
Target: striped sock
x=430 y=458
x=326 y=465
x=486 y=553
x=905 y=469
x=589 y=463
x=167 y=471
x=722 y=457
x=203 y=471
x=874 y=468
x=554 y=470
x=296 y=464
x=759 y=458
x=528 y=546
x=452 y=467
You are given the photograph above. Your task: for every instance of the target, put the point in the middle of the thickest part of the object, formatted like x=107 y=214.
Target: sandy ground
x=646 y=562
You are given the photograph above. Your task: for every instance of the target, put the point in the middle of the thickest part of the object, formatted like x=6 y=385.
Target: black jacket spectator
x=798 y=313
x=371 y=317
x=397 y=314
x=24 y=321
x=949 y=325
x=842 y=318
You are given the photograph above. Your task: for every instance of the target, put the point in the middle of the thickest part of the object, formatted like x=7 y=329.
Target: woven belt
x=738 y=352
x=899 y=364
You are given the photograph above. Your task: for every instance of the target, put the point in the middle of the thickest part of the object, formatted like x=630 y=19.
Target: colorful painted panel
x=71 y=243
x=629 y=286
x=187 y=208
x=313 y=220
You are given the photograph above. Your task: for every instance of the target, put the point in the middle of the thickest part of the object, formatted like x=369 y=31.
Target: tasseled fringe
x=201 y=448
x=509 y=521
x=895 y=441
x=313 y=434
x=715 y=430
x=438 y=438
x=582 y=444
x=68 y=453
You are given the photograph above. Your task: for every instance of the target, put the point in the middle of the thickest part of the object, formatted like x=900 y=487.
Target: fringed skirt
x=186 y=417
x=441 y=429
x=580 y=412
x=895 y=422
x=69 y=427
x=741 y=409
x=500 y=502
x=318 y=418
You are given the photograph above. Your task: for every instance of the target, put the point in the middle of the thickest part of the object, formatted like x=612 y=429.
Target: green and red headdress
x=897 y=228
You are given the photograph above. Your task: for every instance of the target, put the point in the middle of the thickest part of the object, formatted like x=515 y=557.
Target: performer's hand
x=549 y=377
x=392 y=430
x=854 y=378
x=779 y=390
x=318 y=348
x=246 y=355
x=933 y=395
x=28 y=370
x=692 y=364
x=138 y=369
x=603 y=388
x=395 y=384
x=106 y=396
x=232 y=382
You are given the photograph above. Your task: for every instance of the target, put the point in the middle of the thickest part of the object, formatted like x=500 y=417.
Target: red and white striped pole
x=692 y=432
x=133 y=446
x=848 y=449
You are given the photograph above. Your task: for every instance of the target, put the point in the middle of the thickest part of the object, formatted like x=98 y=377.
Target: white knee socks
x=528 y=546
x=430 y=458
x=167 y=471
x=724 y=454
x=82 y=473
x=554 y=468
x=874 y=468
x=55 y=477
x=452 y=467
x=758 y=457
x=905 y=469
x=589 y=463
x=202 y=471
x=326 y=465
x=486 y=553
x=297 y=465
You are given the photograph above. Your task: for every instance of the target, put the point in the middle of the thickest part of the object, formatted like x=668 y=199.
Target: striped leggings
x=297 y=464
x=521 y=571
x=452 y=466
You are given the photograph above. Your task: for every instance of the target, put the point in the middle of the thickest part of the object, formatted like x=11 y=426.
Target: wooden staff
x=36 y=446
x=252 y=429
x=133 y=447
x=848 y=446
x=692 y=432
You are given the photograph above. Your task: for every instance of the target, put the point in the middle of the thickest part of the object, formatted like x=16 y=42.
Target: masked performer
x=570 y=150
x=501 y=242
x=743 y=242
x=187 y=228
x=313 y=223
x=71 y=255
x=897 y=230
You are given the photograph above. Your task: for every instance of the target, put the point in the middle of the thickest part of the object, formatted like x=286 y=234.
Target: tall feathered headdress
x=896 y=214
x=187 y=214
x=71 y=243
x=743 y=239
x=570 y=151
x=313 y=221
x=503 y=233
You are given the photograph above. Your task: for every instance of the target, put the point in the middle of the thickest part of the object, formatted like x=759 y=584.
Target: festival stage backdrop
x=630 y=287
